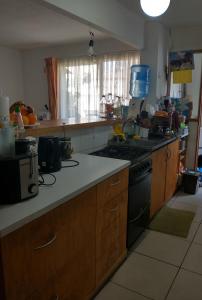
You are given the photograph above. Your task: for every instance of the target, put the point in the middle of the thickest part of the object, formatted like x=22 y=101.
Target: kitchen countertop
x=70 y=183
x=55 y=126
x=147 y=144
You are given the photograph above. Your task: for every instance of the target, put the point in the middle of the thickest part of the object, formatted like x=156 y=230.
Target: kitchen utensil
x=18 y=178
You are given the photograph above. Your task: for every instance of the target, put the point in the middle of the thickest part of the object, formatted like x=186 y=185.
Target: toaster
x=18 y=178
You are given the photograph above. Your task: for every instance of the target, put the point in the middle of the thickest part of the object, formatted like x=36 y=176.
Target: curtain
x=52 y=77
x=83 y=81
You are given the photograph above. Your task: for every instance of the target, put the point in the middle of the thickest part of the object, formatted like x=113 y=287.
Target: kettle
x=49 y=154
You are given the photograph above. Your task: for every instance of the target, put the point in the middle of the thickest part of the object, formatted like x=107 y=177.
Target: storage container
x=139 y=81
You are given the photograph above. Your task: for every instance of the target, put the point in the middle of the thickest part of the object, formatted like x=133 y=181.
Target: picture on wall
x=181 y=60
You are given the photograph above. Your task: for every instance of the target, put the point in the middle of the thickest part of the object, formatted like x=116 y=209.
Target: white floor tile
x=146 y=276
x=198 y=237
x=195 y=199
x=193 y=259
x=114 y=292
x=164 y=247
x=187 y=286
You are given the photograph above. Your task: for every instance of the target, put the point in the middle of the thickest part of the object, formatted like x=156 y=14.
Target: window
x=82 y=82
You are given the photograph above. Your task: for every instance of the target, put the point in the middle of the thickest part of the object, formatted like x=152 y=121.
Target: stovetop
x=125 y=152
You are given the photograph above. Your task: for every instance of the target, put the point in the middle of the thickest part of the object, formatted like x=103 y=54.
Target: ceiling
x=180 y=12
x=27 y=24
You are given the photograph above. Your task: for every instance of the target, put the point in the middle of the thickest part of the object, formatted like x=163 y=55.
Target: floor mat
x=172 y=221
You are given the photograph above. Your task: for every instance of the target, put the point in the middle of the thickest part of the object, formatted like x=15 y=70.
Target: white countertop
x=70 y=183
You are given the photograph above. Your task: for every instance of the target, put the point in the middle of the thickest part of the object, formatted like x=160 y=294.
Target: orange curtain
x=52 y=77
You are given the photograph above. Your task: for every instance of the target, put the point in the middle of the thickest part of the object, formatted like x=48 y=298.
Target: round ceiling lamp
x=154 y=8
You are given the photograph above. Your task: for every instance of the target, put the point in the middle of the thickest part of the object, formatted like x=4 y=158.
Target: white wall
x=110 y=16
x=155 y=55
x=35 y=82
x=11 y=78
x=185 y=38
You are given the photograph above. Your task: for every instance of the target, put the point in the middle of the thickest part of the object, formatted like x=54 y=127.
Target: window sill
x=51 y=127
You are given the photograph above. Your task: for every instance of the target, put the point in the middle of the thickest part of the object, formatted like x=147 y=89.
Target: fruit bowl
x=28 y=116
x=32 y=125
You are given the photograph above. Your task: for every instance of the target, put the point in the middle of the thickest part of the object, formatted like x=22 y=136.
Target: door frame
x=199 y=115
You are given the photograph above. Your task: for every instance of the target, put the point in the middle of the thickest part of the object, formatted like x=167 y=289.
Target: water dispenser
x=139 y=81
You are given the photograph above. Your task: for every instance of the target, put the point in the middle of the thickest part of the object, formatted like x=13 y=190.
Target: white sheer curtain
x=83 y=80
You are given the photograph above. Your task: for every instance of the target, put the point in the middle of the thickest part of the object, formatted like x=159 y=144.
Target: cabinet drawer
x=112 y=187
x=108 y=214
x=111 y=235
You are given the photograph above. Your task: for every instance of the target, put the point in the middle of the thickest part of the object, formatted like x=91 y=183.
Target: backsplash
x=87 y=140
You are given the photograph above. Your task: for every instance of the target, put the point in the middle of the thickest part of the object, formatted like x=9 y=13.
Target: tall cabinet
x=164 y=175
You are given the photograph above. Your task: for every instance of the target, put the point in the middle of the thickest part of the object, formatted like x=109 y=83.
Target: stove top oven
x=139 y=189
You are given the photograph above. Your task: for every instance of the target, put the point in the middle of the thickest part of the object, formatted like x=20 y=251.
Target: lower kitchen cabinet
x=110 y=235
x=58 y=247
x=164 y=175
x=158 y=183
x=66 y=253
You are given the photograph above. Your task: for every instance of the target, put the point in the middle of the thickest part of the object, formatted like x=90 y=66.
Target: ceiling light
x=154 y=8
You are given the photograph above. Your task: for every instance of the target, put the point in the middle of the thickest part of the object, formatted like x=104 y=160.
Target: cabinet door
x=76 y=221
x=171 y=172
x=29 y=257
x=110 y=235
x=159 y=158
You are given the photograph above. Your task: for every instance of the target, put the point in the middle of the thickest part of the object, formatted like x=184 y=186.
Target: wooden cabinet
x=164 y=175
x=171 y=169
x=54 y=254
x=159 y=161
x=111 y=224
x=68 y=251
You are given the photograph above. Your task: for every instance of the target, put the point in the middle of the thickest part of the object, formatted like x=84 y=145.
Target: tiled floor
x=161 y=266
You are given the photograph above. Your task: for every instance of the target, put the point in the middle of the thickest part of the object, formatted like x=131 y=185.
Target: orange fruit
x=25 y=120
x=23 y=110
x=32 y=119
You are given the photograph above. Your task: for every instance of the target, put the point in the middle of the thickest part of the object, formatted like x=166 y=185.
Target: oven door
x=139 y=195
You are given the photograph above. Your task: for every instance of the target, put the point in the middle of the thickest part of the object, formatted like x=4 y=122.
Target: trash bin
x=190 y=181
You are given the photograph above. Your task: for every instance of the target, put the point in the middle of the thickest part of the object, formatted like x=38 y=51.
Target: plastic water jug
x=139 y=81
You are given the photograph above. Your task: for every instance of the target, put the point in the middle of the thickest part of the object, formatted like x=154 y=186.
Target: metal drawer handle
x=116 y=183
x=46 y=244
x=142 y=211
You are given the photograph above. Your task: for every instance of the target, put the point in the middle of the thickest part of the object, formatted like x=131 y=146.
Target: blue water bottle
x=139 y=81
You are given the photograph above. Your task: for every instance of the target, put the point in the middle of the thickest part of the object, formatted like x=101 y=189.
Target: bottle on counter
x=19 y=119
x=103 y=107
x=117 y=107
x=109 y=106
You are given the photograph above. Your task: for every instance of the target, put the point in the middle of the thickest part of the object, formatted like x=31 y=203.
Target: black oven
x=139 y=189
x=139 y=196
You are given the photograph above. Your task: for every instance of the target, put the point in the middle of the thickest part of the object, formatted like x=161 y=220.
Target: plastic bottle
x=103 y=107
x=117 y=107
x=109 y=106
x=20 y=123
x=139 y=81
